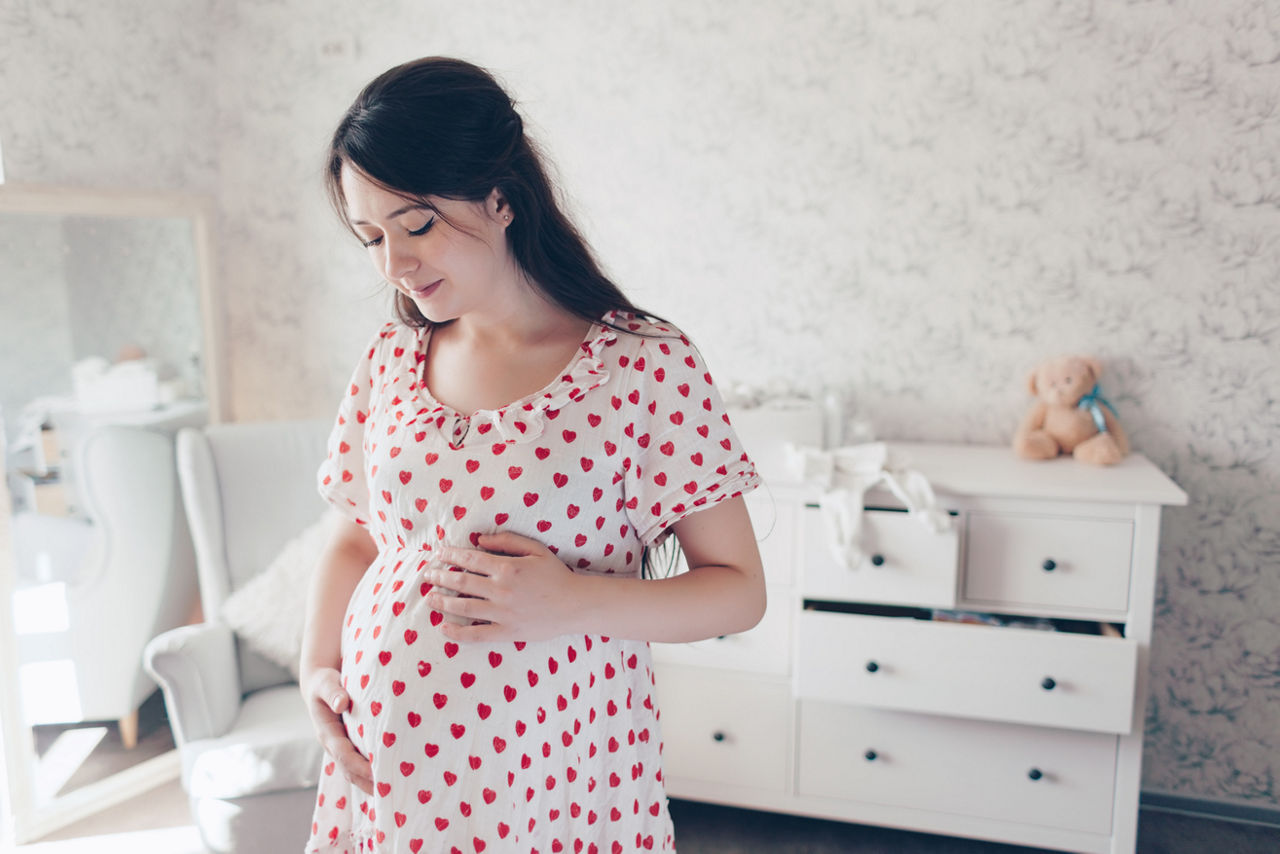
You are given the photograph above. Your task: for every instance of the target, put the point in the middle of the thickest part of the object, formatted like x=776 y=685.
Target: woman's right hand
x=326 y=701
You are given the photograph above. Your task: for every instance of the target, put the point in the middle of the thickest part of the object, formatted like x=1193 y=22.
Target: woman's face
x=449 y=257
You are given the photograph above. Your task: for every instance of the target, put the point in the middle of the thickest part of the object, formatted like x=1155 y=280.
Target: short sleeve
x=341 y=478
x=684 y=454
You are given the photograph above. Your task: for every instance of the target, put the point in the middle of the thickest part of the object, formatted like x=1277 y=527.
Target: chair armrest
x=196 y=668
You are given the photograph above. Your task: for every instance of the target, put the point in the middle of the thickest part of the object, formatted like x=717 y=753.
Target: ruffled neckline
x=525 y=419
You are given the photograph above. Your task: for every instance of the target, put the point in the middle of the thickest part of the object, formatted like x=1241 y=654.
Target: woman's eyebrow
x=395 y=213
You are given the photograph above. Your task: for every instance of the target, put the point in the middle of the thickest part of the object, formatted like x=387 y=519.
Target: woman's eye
x=424 y=229
x=373 y=242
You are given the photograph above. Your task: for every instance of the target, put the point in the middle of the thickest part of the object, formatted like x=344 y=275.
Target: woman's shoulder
x=655 y=347
x=642 y=326
x=391 y=341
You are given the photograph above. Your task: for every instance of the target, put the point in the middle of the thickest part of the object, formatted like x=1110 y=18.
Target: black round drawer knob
x=1049 y=564
x=870 y=756
x=1048 y=683
x=718 y=736
x=877 y=560
x=1035 y=774
x=872 y=667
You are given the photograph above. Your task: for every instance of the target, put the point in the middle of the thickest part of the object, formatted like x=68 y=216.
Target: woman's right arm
x=346 y=558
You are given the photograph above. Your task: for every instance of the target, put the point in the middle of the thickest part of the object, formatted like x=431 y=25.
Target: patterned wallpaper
x=911 y=199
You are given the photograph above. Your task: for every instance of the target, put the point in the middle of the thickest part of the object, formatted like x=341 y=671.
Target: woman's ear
x=498 y=207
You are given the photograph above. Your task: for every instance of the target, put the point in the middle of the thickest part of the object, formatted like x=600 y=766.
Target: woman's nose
x=399 y=261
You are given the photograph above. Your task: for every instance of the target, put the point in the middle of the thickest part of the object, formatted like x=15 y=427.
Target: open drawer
x=1043 y=678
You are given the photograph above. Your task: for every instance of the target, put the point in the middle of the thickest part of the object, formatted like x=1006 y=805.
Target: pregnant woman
x=510 y=448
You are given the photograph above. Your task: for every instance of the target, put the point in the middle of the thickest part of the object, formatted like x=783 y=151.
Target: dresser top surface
x=995 y=471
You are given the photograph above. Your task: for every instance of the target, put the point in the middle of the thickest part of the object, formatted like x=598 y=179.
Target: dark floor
x=707 y=829
x=110 y=757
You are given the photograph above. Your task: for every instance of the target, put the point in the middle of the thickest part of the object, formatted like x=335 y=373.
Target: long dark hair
x=444 y=127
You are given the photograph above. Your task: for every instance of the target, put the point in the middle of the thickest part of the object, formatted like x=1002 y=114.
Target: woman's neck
x=524 y=321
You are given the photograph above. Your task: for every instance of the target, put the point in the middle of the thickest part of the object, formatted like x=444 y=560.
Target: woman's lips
x=425 y=290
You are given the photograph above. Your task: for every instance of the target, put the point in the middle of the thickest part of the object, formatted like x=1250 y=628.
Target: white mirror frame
x=21 y=818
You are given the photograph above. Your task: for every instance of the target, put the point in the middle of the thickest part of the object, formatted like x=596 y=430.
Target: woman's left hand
x=521 y=588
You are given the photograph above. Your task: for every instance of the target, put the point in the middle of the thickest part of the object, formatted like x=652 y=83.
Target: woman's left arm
x=527 y=593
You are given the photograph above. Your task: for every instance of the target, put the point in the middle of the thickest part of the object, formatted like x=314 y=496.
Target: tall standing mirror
x=107 y=349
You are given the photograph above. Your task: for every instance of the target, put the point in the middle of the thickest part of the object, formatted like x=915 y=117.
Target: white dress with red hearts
x=544 y=746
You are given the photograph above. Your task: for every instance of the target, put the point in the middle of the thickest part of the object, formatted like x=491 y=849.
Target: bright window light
x=49 y=691
x=63 y=758
x=41 y=609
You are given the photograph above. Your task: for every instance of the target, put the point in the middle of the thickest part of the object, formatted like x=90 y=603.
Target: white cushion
x=267 y=613
x=271 y=747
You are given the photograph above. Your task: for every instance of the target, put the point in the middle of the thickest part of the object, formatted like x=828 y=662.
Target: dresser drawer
x=1018 y=675
x=766 y=648
x=904 y=562
x=1058 y=562
x=1027 y=775
x=724 y=728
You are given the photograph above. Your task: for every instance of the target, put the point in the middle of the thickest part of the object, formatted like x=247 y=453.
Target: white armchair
x=91 y=591
x=250 y=760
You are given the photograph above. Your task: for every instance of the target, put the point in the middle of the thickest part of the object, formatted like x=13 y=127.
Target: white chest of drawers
x=852 y=700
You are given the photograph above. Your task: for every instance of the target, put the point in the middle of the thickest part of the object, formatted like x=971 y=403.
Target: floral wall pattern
x=910 y=199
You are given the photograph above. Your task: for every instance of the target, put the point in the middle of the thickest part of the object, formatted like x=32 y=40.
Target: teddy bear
x=1070 y=415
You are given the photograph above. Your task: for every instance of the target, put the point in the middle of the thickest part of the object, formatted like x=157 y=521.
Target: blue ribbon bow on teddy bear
x=1093 y=403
